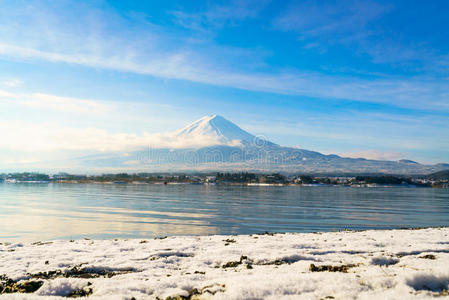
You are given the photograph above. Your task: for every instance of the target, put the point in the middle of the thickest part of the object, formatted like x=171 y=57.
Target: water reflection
x=64 y=211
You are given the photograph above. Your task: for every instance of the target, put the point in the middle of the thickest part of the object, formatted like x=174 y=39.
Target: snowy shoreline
x=384 y=264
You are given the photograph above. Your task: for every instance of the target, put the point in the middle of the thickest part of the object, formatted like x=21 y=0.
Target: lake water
x=30 y=212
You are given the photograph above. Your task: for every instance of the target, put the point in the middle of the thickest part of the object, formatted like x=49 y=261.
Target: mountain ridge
x=233 y=149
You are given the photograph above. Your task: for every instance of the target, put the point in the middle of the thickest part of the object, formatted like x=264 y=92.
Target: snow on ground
x=383 y=264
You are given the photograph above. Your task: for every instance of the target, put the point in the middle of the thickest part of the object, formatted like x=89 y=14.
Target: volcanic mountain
x=217 y=128
x=213 y=143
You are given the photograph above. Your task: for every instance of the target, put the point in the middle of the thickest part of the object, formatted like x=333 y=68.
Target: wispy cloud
x=373 y=154
x=40 y=100
x=354 y=132
x=12 y=82
x=359 y=26
x=31 y=137
x=331 y=19
x=146 y=51
x=413 y=93
x=346 y=23
x=6 y=95
x=51 y=123
x=219 y=15
x=51 y=102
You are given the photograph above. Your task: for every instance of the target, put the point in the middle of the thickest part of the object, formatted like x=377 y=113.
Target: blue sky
x=355 y=78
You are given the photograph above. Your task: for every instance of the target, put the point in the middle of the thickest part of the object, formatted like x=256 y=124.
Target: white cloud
x=373 y=154
x=44 y=137
x=6 y=95
x=44 y=101
x=13 y=82
x=40 y=100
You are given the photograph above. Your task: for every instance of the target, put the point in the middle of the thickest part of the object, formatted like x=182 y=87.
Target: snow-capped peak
x=216 y=128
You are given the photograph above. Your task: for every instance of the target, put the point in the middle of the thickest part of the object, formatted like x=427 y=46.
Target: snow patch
x=274 y=266
x=61 y=287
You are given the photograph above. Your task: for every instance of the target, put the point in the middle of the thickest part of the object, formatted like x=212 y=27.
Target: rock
x=11 y=286
x=428 y=256
x=84 y=292
x=231 y=264
x=328 y=268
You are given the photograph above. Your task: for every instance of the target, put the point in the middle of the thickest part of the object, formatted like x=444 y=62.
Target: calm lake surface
x=30 y=212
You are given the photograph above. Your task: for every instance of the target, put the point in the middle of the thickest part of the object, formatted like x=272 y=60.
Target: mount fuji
x=213 y=143
x=218 y=129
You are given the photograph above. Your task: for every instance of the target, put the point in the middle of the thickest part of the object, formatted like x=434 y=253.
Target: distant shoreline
x=223 y=184
x=440 y=180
